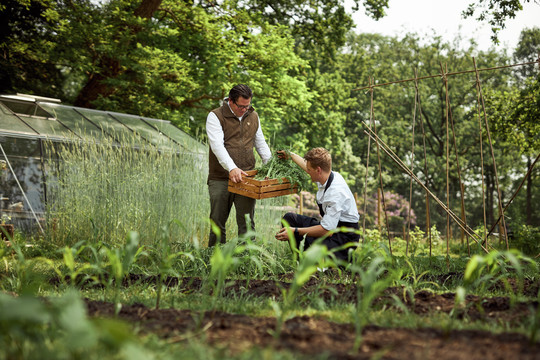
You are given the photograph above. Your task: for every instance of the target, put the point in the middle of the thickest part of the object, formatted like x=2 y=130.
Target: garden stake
x=501 y=211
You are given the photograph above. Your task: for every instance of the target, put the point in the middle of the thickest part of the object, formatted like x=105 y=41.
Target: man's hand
x=282 y=154
x=282 y=234
x=236 y=175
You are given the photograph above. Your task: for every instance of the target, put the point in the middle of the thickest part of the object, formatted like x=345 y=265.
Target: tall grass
x=99 y=192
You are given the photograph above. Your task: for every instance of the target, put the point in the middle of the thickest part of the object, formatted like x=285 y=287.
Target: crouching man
x=337 y=206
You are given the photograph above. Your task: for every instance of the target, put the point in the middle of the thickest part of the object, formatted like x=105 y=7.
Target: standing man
x=337 y=205
x=233 y=131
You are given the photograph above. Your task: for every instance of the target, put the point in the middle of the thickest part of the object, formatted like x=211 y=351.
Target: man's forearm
x=299 y=161
x=316 y=231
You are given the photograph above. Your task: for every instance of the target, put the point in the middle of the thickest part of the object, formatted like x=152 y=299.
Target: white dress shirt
x=338 y=203
x=215 y=134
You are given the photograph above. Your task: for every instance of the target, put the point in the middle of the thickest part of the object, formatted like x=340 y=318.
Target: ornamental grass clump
x=277 y=168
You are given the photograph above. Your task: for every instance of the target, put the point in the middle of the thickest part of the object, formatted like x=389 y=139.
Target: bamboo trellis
x=371 y=131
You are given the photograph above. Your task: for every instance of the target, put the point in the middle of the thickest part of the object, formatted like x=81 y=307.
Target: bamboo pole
x=447 y=100
x=501 y=211
x=382 y=189
x=379 y=206
x=428 y=219
x=461 y=185
x=537 y=61
x=367 y=163
x=412 y=164
x=516 y=192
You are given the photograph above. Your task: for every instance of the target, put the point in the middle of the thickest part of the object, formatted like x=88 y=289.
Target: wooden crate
x=262 y=189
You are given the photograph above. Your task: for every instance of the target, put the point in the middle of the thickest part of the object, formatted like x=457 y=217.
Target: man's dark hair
x=240 y=90
x=319 y=157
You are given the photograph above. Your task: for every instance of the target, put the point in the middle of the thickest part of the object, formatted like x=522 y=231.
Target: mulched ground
x=316 y=336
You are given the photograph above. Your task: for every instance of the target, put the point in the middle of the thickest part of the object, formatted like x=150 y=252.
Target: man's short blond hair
x=319 y=157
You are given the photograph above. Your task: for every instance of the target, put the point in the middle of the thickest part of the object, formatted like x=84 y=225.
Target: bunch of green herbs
x=277 y=168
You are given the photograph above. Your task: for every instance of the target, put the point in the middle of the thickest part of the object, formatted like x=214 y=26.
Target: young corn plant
x=165 y=258
x=75 y=269
x=369 y=267
x=315 y=257
x=120 y=262
x=534 y=321
x=26 y=275
x=484 y=272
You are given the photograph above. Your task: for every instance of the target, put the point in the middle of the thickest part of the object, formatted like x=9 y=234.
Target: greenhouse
x=30 y=124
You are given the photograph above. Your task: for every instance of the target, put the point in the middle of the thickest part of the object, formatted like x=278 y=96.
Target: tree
x=495 y=12
x=528 y=50
x=515 y=119
x=26 y=38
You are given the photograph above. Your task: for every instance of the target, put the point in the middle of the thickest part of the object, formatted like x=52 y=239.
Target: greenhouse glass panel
x=20 y=147
x=75 y=121
x=23 y=157
x=49 y=128
x=146 y=131
x=111 y=126
x=24 y=108
x=186 y=141
x=11 y=123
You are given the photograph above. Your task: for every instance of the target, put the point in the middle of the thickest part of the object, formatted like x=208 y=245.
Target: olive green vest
x=239 y=139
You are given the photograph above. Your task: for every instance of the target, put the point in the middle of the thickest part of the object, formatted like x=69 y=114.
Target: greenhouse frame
x=27 y=122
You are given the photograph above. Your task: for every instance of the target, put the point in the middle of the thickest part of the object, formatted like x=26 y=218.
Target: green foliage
x=485 y=271
x=527 y=239
x=277 y=168
x=515 y=113
x=101 y=192
x=60 y=329
x=495 y=12
x=311 y=260
x=527 y=50
x=369 y=286
x=164 y=259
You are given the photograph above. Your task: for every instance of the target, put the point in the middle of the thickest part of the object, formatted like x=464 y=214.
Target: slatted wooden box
x=262 y=189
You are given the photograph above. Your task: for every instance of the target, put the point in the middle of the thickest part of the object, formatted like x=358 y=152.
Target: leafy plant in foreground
x=370 y=284
x=120 y=262
x=165 y=257
x=60 y=329
x=75 y=270
x=310 y=260
x=485 y=271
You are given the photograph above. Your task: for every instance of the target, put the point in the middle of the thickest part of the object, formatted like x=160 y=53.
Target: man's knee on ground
x=290 y=218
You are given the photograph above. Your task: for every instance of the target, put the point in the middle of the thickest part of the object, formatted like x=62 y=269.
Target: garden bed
x=312 y=336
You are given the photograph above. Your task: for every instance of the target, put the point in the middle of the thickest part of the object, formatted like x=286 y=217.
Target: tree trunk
x=110 y=67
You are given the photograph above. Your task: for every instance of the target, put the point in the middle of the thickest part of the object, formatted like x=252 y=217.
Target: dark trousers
x=221 y=201
x=336 y=240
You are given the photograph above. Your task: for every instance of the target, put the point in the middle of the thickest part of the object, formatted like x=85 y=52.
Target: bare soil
x=315 y=336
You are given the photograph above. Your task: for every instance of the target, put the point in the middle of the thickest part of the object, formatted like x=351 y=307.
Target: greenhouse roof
x=31 y=116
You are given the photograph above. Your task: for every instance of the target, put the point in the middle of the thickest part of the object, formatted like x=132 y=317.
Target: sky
x=443 y=17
